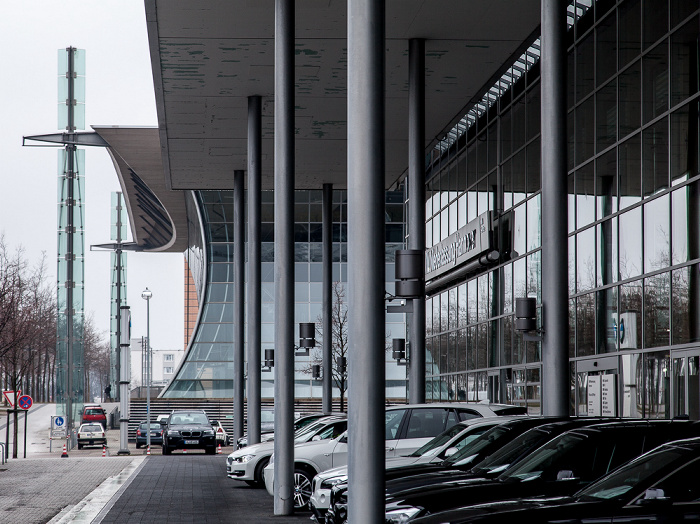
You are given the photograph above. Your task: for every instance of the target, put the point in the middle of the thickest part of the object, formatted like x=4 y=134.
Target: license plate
x=154 y=434
x=192 y=442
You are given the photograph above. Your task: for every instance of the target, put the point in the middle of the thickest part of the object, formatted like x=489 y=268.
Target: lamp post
x=146 y=295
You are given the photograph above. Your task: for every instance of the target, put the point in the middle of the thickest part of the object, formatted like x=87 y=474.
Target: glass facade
x=634 y=238
x=207 y=370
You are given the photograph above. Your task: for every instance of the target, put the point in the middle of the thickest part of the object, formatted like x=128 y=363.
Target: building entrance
x=685 y=379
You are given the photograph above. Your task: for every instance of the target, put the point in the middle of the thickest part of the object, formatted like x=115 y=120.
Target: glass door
x=686 y=384
x=597 y=389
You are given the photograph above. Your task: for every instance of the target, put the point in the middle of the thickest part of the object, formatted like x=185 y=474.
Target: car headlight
x=402 y=515
x=243 y=459
x=173 y=433
x=208 y=432
x=330 y=482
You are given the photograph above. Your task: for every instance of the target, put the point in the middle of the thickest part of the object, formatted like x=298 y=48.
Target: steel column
x=416 y=208
x=555 y=310
x=327 y=298
x=284 y=257
x=238 y=301
x=366 y=268
x=254 y=301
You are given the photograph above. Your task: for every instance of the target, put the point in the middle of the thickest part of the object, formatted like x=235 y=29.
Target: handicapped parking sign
x=25 y=402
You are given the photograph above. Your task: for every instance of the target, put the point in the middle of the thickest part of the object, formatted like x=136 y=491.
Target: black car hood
x=190 y=427
x=422 y=477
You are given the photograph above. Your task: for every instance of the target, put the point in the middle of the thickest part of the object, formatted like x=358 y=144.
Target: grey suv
x=188 y=429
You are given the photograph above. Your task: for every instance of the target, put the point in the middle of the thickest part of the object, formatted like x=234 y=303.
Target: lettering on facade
x=463 y=245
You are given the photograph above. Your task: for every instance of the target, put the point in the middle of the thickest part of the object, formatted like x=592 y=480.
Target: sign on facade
x=608 y=395
x=594 y=407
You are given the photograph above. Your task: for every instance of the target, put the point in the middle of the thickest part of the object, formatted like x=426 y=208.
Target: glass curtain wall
x=207 y=370
x=633 y=248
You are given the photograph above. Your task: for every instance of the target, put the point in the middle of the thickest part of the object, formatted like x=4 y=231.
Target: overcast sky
x=119 y=91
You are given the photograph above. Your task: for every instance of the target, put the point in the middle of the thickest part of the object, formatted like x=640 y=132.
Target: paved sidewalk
x=192 y=488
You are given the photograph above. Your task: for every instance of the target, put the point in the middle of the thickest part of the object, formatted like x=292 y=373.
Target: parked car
x=562 y=466
x=406 y=427
x=659 y=486
x=91 y=434
x=269 y=434
x=222 y=436
x=435 y=450
x=142 y=434
x=94 y=413
x=247 y=464
x=188 y=429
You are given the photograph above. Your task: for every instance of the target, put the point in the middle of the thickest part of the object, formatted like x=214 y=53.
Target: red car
x=94 y=413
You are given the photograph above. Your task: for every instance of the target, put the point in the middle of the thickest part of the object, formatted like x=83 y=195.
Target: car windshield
x=188 y=418
x=505 y=456
x=153 y=426
x=626 y=478
x=440 y=440
x=267 y=416
x=91 y=427
x=545 y=458
x=469 y=451
x=303 y=434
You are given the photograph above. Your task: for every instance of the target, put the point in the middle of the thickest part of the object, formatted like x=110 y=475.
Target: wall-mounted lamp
x=316 y=372
x=341 y=364
x=269 y=362
x=307 y=338
x=410 y=280
x=398 y=352
x=526 y=319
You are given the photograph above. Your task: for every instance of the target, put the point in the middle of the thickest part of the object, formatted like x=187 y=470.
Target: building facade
x=634 y=239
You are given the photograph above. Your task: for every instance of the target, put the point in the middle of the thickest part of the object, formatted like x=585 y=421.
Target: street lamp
x=146 y=295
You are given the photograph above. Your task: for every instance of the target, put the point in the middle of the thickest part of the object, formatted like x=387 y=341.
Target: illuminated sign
x=465 y=244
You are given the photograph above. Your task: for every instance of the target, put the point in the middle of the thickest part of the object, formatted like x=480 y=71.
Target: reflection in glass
x=630 y=239
x=585 y=325
x=606 y=321
x=630 y=321
x=656 y=383
x=606 y=254
x=630 y=170
x=656 y=234
x=685 y=305
x=655 y=158
x=585 y=260
x=606 y=185
x=656 y=310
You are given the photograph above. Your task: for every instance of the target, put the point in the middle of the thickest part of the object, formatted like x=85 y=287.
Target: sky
x=119 y=91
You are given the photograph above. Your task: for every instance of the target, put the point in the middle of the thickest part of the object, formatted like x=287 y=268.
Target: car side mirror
x=163 y=422
x=315 y=438
x=214 y=422
x=344 y=439
x=565 y=474
x=654 y=497
x=451 y=451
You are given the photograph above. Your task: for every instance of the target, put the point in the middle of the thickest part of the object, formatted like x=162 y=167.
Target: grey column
x=284 y=257
x=238 y=300
x=254 y=302
x=416 y=208
x=327 y=298
x=555 y=358
x=366 y=268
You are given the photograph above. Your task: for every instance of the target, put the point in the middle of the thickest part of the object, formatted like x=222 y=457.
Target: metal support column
x=254 y=300
x=366 y=268
x=555 y=321
x=284 y=257
x=416 y=208
x=327 y=298
x=238 y=299
x=70 y=229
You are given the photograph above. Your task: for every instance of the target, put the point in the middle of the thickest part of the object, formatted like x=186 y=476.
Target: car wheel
x=302 y=489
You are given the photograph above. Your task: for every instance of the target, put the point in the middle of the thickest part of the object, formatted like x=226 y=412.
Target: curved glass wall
x=207 y=370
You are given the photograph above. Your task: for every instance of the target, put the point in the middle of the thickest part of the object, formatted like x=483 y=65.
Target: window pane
x=655 y=158
x=657 y=249
x=630 y=243
x=656 y=310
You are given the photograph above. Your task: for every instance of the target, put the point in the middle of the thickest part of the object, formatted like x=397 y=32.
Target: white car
x=407 y=428
x=436 y=450
x=221 y=434
x=247 y=463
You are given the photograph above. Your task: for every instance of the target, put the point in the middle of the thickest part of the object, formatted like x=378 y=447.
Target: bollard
x=104 y=451
x=218 y=450
x=148 y=450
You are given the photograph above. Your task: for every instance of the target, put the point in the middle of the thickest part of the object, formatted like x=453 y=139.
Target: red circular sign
x=24 y=402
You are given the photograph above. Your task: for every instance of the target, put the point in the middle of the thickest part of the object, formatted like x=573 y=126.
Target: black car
x=561 y=467
x=660 y=486
x=142 y=434
x=188 y=429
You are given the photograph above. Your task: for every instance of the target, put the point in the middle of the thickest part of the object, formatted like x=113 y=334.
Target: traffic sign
x=10 y=397
x=58 y=421
x=25 y=402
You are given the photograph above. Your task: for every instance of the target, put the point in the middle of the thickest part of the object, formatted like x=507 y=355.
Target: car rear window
x=94 y=411
x=92 y=427
x=153 y=426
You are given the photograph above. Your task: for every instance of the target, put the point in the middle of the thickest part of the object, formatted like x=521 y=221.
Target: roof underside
x=209 y=56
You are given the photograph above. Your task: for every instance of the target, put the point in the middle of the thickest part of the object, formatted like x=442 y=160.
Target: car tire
x=302 y=489
x=258 y=480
